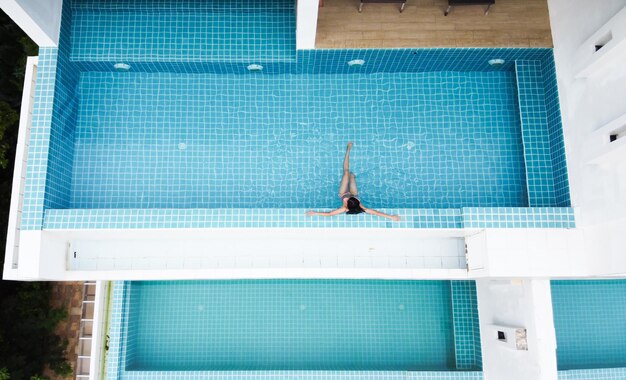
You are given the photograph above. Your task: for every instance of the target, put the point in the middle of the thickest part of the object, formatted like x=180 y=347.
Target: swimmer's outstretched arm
x=382 y=214
x=329 y=213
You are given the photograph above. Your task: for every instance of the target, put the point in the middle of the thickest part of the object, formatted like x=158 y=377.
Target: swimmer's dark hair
x=354 y=206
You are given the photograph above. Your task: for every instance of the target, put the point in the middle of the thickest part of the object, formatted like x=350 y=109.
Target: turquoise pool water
x=590 y=323
x=295 y=325
x=422 y=140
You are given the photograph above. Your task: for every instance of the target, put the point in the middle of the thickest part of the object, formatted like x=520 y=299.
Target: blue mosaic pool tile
x=593 y=374
x=189 y=31
x=300 y=375
x=37 y=166
x=225 y=218
x=115 y=364
x=51 y=144
x=277 y=141
x=557 y=145
x=335 y=61
x=466 y=325
x=537 y=153
x=518 y=217
x=116 y=329
x=471 y=217
x=589 y=323
x=415 y=218
x=295 y=324
x=61 y=146
x=435 y=218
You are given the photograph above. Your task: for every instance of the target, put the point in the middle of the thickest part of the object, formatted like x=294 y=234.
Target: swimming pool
x=590 y=323
x=314 y=325
x=182 y=138
x=188 y=136
x=422 y=140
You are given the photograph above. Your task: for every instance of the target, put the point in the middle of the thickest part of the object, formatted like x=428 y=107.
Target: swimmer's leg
x=352 y=185
x=345 y=180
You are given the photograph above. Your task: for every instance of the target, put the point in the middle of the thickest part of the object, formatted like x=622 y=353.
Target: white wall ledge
x=11 y=260
x=605 y=49
x=40 y=19
x=601 y=150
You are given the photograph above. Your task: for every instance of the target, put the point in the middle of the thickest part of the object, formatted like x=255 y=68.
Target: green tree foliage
x=27 y=322
x=8 y=119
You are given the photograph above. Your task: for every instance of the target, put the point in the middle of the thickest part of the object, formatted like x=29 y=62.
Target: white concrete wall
x=517 y=303
x=306 y=24
x=11 y=260
x=40 y=19
x=598 y=191
x=241 y=253
x=528 y=253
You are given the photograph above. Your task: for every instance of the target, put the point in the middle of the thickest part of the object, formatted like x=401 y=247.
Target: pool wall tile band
x=466 y=325
x=334 y=61
x=64 y=118
x=557 y=144
x=130 y=345
x=300 y=375
x=51 y=145
x=37 y=166
x=475 y=217
x=518 y=217
x=118 y=343
x=115 y=355
x=536 y=137
x=589 y=323
x=593 y=374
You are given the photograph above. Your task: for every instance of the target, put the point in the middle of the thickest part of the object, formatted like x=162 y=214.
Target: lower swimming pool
x=299 y=325
x=590 y=323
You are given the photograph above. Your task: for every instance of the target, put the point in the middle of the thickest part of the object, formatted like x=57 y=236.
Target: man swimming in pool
x=349 y=195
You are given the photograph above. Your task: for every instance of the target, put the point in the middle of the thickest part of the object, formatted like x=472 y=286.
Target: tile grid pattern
x=589 y=323
x=300 y=375
x=557 y=144
x=37 y=164
x=115 y=367
x=64 y=117
x=466 y=325
x=295 y=324
x=419 y=218
x=197 y=31
x=320 y=61
x=536 y=139
x=518 y=217
x=295 y=218
x=593 y=374
x=50 y=149
x=118 y=310
x=434 y=140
